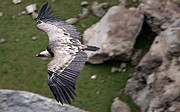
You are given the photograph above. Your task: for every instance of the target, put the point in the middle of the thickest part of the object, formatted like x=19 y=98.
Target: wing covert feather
x=46 y=15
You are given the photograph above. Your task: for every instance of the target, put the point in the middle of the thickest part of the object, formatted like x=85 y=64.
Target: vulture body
x=67 y=52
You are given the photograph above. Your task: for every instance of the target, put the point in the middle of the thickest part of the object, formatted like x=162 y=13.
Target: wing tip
x=61 y=90
x=45 y=13
x=42 y=10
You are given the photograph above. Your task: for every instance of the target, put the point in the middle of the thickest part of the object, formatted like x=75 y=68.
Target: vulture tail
x=91 y=48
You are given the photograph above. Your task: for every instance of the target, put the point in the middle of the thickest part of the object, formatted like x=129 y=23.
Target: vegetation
x=21 y=70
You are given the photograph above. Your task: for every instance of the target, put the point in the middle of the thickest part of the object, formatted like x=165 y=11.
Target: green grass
x=107 y=84
x=130 y=3
x=21 y=70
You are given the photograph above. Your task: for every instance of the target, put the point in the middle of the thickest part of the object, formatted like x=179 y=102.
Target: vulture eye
x=38 y=22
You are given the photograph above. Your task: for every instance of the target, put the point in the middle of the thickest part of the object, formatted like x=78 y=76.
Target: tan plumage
x=67 y=52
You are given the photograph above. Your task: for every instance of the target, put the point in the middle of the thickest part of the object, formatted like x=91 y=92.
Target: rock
x=53 y=1
x=31 y=8
x=155 y=84
x=136 y=57
x=84 y=3
x=97 y=92
x=19 y=14
x=110 y=34
x=93 y=77
x=23 y=12
x=16 y=1
x=119 y=69
x=2 y=40
x=1 y=14
x=34 y=38
x=124 y=70
x=22 y=101
x=34 y=15
x=114 y=69
x=122 y=2
x=97 y=8
x=123 y=65
x=84 y=14
x=13 y=17
x=72 y=20
x=160 y=13
x=102 y=81
x=119 y=106
x=17 y=40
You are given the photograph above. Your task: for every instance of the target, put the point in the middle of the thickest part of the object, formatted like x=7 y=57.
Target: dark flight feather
x=62 y=85
x=45 y=14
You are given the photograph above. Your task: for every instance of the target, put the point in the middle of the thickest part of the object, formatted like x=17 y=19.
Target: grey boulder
x=115 y=34
x=22 y=101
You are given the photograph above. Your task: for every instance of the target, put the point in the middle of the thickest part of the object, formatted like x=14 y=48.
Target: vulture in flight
x=67 y=52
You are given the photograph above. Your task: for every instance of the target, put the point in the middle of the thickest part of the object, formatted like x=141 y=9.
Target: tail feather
x=91 y=48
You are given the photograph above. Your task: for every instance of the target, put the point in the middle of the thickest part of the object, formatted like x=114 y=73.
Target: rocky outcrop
x=119 y=106
x=21 y=101
x=115 y=34
x=136 y=56
x=72 y=20
x=98 y=8
x=155 y=86
x=160 y=13
x=16 y=1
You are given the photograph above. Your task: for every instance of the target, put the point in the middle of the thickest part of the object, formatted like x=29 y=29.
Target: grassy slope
x=22 y=71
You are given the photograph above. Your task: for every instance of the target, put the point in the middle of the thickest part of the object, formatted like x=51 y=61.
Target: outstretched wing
x=46 y=16
x=62 y=81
